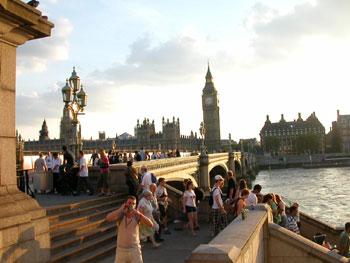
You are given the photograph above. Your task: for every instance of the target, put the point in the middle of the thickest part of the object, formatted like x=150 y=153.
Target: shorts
x=103 y=181
x=162 y=210
x=191 y=209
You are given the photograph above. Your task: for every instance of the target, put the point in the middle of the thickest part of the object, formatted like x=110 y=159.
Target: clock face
x=209 y=101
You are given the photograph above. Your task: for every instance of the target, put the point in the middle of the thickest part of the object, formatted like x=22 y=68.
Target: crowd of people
x=115 y=157
x=144 y=216
x=69 y=176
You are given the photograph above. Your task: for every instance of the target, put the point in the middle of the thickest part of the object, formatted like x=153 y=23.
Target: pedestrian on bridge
x=219 y=215
x=128 y=241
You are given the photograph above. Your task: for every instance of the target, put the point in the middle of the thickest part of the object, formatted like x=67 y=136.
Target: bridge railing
x=23 y=181
x=164 y=163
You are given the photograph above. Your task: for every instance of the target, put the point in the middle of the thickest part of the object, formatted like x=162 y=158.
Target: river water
x=322 y=193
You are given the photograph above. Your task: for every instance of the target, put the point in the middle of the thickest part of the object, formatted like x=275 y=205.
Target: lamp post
x=202 y=133
x=75 y=100
x=230 y=143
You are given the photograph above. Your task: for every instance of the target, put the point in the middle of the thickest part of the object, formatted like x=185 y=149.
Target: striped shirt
x=292 y=224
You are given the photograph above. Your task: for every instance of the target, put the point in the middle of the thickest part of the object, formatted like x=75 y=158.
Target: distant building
x=341 y=129
x=293 y=137
x=169 y=139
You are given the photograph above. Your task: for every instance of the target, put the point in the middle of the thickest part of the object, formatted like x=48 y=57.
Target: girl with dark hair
x=189 y=206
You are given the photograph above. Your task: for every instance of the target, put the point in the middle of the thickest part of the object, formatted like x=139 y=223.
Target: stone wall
x=310 y=226
x=258 y=239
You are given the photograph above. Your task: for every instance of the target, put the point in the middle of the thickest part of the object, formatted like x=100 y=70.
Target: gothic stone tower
x=44 y=132
x=211 y=114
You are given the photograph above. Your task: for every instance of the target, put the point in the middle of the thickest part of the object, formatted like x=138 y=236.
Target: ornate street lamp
x=75 y=99
x=202 y=133
x=230 y=143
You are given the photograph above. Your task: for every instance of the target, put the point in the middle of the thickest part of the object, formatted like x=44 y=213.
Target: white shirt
x=83 y=172
x=217 y=192
x=252 y=199
x=55 y=162
x=48 y=161
x=161 y=192
x=146 y=180
x=190 y=197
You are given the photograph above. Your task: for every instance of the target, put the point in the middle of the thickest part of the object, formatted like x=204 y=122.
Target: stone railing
x=164 y=163
x=258 y=239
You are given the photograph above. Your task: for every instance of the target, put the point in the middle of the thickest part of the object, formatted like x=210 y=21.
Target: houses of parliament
x=145 y=134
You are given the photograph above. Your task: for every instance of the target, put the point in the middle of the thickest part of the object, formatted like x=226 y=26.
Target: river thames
x=322 y=193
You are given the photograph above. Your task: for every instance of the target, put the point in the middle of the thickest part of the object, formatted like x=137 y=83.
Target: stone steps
x=79 y=231
x=69 y=215
x=71 y=254
x=54 y=210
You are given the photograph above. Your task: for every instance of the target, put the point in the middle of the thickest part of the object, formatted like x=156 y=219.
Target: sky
x=141 y=58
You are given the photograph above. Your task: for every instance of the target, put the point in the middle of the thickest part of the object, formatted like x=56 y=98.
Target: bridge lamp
x=74 y=81
x=67 y=93
x=82 y=98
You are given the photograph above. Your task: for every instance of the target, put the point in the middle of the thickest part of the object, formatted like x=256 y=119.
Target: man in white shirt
x=219 y=215
x=56 y=163
x=48 y=161
x=146 y=178
x=83 y=180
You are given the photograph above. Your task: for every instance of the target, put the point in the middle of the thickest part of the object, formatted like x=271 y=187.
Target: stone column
x=24 y=229
x=204 y=180
x=231 y=161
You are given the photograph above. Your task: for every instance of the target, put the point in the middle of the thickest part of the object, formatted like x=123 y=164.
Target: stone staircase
x=79 y=231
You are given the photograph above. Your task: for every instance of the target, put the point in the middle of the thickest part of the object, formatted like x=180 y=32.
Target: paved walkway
x=176 y=248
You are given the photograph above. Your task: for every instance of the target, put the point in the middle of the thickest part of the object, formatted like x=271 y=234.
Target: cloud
x=34 y=55
x=277 y=35
x=174 y=61
x=33 y=107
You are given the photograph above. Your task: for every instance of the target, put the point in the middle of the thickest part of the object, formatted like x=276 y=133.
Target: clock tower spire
x=211 y=114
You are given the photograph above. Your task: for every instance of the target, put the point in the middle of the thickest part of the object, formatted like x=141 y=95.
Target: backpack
x=211 y=198
x=153 y=178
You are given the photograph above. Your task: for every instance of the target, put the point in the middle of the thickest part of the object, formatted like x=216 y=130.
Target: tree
x=272 y=144
x=307 y=143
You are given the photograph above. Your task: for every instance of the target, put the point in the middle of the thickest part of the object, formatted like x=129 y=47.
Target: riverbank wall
x=303 y=161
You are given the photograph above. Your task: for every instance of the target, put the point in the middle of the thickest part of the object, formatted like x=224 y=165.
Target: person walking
x=128 y=241
x=146 y=208
x=83 y=180
x=104 y=169
x=189 y=206
x=219 y=215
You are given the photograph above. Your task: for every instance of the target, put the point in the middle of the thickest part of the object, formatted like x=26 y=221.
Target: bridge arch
x=177 y=182
x=220 y=169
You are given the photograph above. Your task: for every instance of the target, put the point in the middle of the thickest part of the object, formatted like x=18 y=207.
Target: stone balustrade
x=258 y=239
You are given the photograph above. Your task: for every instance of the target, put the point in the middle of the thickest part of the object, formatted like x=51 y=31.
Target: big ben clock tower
x=211 y=114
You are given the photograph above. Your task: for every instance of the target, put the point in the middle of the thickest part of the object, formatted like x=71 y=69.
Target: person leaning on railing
x=344 y=243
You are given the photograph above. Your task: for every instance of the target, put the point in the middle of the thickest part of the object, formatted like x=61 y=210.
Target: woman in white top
x=189 y=206
x=146 y=208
